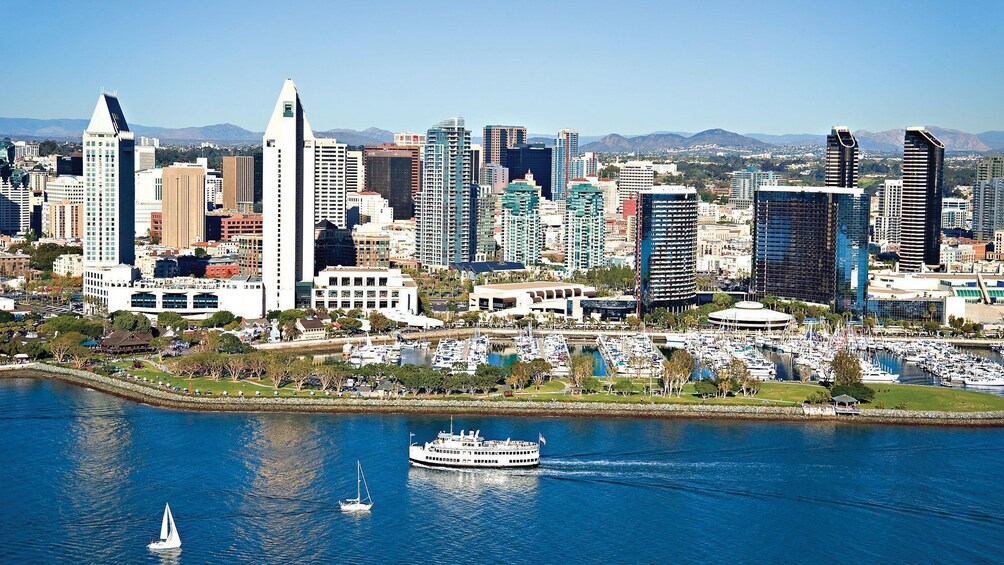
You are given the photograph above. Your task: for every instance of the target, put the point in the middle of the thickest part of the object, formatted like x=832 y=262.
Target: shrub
x=820 y=397
x=857 y=390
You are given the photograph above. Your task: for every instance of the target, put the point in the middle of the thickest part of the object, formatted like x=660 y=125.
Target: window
x=287 y=109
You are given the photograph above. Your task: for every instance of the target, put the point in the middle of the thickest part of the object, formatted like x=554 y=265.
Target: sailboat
x=169 y=538
x=358 y=504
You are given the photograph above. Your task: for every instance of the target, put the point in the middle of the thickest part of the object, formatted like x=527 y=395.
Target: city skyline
x=679 y=93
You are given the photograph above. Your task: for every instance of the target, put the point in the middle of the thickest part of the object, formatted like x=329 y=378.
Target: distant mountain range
x=882 y=141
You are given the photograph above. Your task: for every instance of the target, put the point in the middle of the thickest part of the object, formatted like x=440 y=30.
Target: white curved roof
x=749 y=312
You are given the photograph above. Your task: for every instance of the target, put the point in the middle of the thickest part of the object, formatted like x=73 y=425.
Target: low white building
x=526 y=298
x=70 y=265
x=119 y=288
x=365 y=288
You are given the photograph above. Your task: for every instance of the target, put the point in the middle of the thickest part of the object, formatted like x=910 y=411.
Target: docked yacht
x=468 y=450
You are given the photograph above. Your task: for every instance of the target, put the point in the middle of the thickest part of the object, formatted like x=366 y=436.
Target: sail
x=363 y=477
x=163 y=523
x=174 y=537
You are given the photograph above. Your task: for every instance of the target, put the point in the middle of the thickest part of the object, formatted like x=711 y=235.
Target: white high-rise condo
x=443 y=206
x=109 y=187
x=288 y=201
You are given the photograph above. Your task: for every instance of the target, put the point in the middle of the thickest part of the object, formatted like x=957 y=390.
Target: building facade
x=372 y=245
x=443 y=206
x=634 y=177
x=666 y=249
x=584 y=228
x=331 y=182
x=811 y=244
x=239 y=183
x=841 y=158
x=184 y=209
x=531 y=158
x=395 y=173
x=923 y=173
x=366 y=289
x=249 y=255
x=66 y=220
x=890 y=212
x=109 y=187
x=988 y=207
x=745 y=184
x=566 y=149
x=521 y=232
x=497 y=139
x=288 y=199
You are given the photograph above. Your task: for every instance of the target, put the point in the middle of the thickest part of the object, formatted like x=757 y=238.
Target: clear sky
x=598 y=66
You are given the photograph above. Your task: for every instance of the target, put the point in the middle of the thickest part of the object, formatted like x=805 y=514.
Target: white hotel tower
x=109 y=187
x=288 y=201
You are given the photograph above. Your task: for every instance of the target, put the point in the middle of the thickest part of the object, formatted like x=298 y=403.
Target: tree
x=69 y=323
x=172 y=320
x=123 y=320
x=200 y=252
x=218 y=319
x=519 y=375
x=235 y=364
x=581 y=369
x=846 y=368
x=212 y=364
x=349 y=324
x=300 y=372
x=160 y=345
x=738 y=375
x=289 y=330
x=676 y=372
x=858 y=390
x=231 y=345
x=624 y=386
x=539 y=371
x=278 y=370
x=378 y=322
x=705 y=388
x=66 y=343
x=592 y=384
x=187 y=365
x=821 y=396
x=256 y=364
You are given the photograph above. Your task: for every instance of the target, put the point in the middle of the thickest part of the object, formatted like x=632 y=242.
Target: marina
x=631 y=356
x=370 y=354
x=461 y=355
x=552 y=348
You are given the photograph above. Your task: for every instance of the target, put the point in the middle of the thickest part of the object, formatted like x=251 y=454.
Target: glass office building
x=811 y=244
x=666 y=249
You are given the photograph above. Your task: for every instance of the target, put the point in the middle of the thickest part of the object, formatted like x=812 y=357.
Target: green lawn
x=909 y=397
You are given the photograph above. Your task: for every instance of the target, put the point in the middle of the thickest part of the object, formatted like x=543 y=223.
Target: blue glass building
x=811 y=244
x=666 y=249
x=531 y=158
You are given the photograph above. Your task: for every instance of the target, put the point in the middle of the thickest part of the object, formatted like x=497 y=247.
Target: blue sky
x=601 y=67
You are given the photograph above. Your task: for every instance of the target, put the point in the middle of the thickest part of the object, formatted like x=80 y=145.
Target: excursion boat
x=468 y=450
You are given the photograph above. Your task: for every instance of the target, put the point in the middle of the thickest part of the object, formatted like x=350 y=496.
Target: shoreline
x=325 y=405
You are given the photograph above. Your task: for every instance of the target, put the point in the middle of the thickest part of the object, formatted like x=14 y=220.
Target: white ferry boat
x=471 y=451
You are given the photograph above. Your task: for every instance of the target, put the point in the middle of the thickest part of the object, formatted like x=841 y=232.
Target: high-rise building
x=249 y=255
x=66 y=220
x=585 y=165
x=395 y=173
x=955 y=214
x=584 y=228
x=409 y=139
x=566 y=148
x=474 y=158
x=443 y=206
x=497 y=139
x=890 y=211
x=288 y=197
x=355 y=171
x=184 y=208
x=15 y=200
x=238 y=183
x=149 y=198
x=331 y=182
x=522 y=237
x=484 y=238
x=666 y=249
x=811 y=244
x=841 y=158
x=109 y=187
x=634 y=177
x=988 y=197
x=146 y=156
x=920 y=229
x=745 y=184
x=534 y=158
x=496 y=176
x=988 y=208
x=372 y=246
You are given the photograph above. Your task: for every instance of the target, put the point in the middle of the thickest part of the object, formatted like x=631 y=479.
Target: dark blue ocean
x=84 y=478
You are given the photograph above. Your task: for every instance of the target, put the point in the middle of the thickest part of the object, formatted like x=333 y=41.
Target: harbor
x=461 y=355
x=631 y=356
x=552 y=348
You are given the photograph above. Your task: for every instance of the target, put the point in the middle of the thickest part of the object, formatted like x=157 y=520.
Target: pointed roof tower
x=107 y=116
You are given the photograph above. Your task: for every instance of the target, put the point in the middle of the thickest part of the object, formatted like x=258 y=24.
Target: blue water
x=85 y=477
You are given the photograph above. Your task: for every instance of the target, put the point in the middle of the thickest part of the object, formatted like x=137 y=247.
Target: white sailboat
x=169 y=538
x=358 y=504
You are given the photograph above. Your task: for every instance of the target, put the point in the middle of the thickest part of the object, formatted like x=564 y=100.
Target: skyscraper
x=841 y=158
x=496 y=176
x=566 y=149
x=811 y=244
x=499 y=138
x=990 y=167
x=331 y=181
x=395 y=173
x=484 y=247
x=355 y=171
x=443 y=206
x=531 y=158
x=585 y=165
x=583 y=228
x=521 y=232
x=745 y=184
x=890 y=211
x=288 y=199
x=920 y=230
x=238 y=183
x=109 y=187
x=634 y=177
x=666 y=249
x=988 y=197
x=184 y=206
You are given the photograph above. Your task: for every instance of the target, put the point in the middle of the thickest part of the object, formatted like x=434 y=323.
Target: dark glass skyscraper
x=666 y=249
x=531 y=157
x=841 y=158
x=920 y=228
x=497 y=139
x=393 y=172
x=811 y=244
